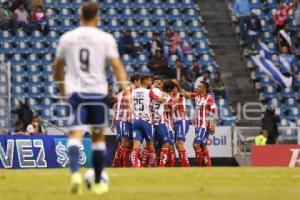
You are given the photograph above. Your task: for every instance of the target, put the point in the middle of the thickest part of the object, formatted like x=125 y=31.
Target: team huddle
x=150 y=118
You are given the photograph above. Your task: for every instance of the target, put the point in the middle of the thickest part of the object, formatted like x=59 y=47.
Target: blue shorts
x=119 y=128
x=171 y=138
x=181 y=128
x=161 y=133
x=202 y=135
x=142 y=130
x=127 y=131
x=89 y=109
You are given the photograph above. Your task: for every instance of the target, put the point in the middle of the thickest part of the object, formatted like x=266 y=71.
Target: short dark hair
x=89 y=10
x=157 y=78
x=144 y=77
x=134 y=77
x=206 y=85
x=168 y=86
x=5 y=3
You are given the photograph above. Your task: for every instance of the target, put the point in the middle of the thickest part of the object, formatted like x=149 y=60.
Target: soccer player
x=181 y=122
x=142 y=121
x=205 y=121
x=159 y=121
x=85 y=51
x=124 y=123
x=170 y=125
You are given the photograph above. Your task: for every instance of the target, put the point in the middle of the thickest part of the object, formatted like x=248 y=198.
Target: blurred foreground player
x=85 y=51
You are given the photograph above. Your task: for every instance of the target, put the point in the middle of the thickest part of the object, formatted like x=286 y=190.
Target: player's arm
x=190 y=95
x=153 y=96
x=59 y=65
x=214 y=115
x=119 y=71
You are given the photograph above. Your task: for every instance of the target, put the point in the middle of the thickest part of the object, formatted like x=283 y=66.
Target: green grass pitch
x=159 y=184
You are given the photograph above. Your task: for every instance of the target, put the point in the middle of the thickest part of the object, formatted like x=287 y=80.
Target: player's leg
x=137 y=139
x=117 y=162
x=127 y=143
x=180 y=129
x=149 y=137
x=99 y=160
x=204 y=148
x=163 y=135
x=74 y=144
x=196 y=144
x=171 y=153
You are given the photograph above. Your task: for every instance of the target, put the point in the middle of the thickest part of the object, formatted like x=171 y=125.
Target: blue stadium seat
x=6 y=48
x=18 y=92
x=159 y=14
x=129 y=24
x=111 y=14
x=65 y=14
x=66 y=25
x=202 y=48
x=35 y=91
x=38 y=48
x=21 y=36
x=143 y=14
x=126 y=59
x=114 y=25
x=269 y=93
x=109 y=4
x=146 y=25
x=192 y=14
x=172 y=4
x=175 y=14
x=127 y=14
x=141 y=60
x=156 y=4
x=140 y=4
x=161 y=25
x=265 y=81
x=37 y=36
x=188 y=60
x=179 y=25
x=17 y=60
x=286 y=93
x=187 y=4
x=33 y=60
x=125 y=4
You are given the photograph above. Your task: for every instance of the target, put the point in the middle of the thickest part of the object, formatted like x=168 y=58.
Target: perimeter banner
x=21 y=152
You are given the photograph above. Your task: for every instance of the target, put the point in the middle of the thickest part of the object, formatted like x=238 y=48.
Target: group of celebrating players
x=152 y=111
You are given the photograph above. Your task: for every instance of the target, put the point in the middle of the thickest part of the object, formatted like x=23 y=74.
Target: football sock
x=73 y=153
x=135 y=157
x=163 y=157
x=183 y=159
x=199 y=157
x=118 y=156
x=126 y=158
x=145 y=155
x=99 y=158
x=171 y=157
x=152 y=158
x=207 y=159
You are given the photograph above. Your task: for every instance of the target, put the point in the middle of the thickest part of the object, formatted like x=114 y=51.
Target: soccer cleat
x=76 y=183
x=99 y=188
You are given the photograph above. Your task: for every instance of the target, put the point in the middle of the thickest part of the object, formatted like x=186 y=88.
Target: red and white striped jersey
x=142 y=100
x=168 y=117
x=158 y=108
x=205 y=107
x=178 y=103
x=122 y=107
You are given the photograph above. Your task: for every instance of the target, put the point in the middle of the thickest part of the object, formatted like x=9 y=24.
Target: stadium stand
x=31 y=55
x=285 y=100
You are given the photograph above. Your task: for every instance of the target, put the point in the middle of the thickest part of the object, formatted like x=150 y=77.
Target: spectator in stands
x=281 y=16
x=22 y=18
x=19 y=129
x=154 y=44
x=36 y=127
x=205 y=77
x=253 y=31
x=184 y=84
x=284 y=38
x=218 y=86
x=35 y=3
x=176 y=46
x=126 y=44
x=269 y=123
x=261 y=139
x=7 y=22
x=24 y=113
x=158 y=64
x=16 y=3
x=180 y=70
x=40 y=18
x=194 y=71
x=167 y=42
x=288 y=67
x=242 y=12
